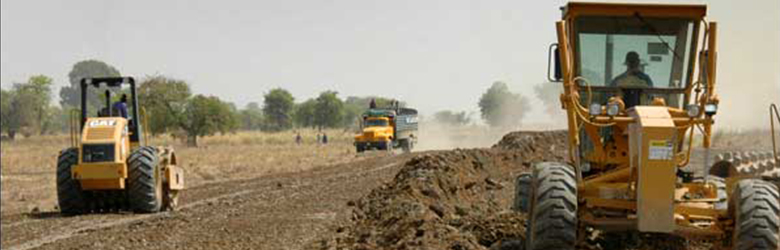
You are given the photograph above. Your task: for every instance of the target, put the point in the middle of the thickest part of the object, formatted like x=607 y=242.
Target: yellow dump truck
x=387 y=129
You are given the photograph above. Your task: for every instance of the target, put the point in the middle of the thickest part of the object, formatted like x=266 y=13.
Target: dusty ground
x=456 y=199
x=262 y=192
x=28 y=164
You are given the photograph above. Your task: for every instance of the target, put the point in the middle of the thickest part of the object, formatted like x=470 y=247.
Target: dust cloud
x=435 y=135
x=439 y=136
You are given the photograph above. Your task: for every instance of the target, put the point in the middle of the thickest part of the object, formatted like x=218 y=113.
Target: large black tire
x=553 y=208
x=755 y=208
x=522 y=192
x=144 y=182
x=70 y=197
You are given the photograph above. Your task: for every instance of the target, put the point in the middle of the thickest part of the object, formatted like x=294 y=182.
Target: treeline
x=173 y=109
x=27 y=107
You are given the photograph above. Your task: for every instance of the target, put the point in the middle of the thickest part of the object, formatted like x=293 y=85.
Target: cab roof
x=690 y=11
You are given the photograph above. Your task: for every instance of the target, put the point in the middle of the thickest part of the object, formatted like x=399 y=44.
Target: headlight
x=613 y=109
x=710 y=109
x=693 y=110
x=595 y=109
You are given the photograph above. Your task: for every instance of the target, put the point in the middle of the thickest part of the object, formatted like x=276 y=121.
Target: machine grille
x=97 y=153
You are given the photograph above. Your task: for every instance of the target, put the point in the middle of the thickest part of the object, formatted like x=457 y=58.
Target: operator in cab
x=121 y=106
x=633 y=77
x=632 y=81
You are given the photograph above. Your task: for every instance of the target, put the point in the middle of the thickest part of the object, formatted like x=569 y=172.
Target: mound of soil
x=456 y=199
x=552 y=141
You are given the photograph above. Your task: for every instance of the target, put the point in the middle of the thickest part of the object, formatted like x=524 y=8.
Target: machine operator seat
x=632 y=89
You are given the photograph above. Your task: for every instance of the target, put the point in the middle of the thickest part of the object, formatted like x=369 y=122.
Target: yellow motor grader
x=639 y=92
x=109 y=165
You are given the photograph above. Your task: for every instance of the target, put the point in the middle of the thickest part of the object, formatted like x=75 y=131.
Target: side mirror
x=554 y=60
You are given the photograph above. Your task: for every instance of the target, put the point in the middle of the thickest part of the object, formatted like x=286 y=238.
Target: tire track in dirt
x=202 y=197
x=10 y=223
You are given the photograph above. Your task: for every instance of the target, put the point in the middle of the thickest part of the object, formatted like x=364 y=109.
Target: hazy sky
x=433 y=54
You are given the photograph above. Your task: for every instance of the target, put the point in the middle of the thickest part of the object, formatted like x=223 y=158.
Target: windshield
x=634 y=51
x=376 y=123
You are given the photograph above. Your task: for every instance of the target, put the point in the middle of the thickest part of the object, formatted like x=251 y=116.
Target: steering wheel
x=633 y=89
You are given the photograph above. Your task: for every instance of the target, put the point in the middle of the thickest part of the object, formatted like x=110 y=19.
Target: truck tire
x=360 y=148
x=553 y=208
x=69 y=195
x=755 y=209
x=144 y=182
x=522 y=192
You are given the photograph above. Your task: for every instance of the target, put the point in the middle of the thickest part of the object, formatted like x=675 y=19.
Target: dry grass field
x=28 y=164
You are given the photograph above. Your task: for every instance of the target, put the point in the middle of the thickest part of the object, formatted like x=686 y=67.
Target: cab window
x=635 y=52
x=376 y=123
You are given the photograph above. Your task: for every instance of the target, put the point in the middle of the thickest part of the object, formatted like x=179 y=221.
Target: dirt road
x=442 y=199
x=280 y=211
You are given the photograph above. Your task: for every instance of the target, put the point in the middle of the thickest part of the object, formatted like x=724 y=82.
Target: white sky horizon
x=435 y=55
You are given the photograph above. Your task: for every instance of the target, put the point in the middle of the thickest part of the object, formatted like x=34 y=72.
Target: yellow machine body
x=109 y=165
x=628 y=156
x=104 y=148
x=652 y=154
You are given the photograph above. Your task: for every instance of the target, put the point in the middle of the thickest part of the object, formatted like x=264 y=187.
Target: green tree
x=502 y=108
x=452 y=118
x=304 y=113
x=234 y=123
x=70 y=96
x=251 y=117
x=29 y=106
x=329 y=109
x=56 y=120
x=278 y=107
x=6 y=97
x=169 y=106
x=164 y=100
x=206 y=116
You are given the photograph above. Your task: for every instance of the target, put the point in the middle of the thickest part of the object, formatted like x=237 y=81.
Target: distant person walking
x=298 y=138
x=319 y=138
x=324 y=138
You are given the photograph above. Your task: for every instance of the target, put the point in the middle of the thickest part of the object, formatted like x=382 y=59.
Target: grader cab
x=109 y=165
x=639 y=88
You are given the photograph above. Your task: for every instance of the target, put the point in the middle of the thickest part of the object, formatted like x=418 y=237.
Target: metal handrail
x=74 y=127
x=774 y=114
